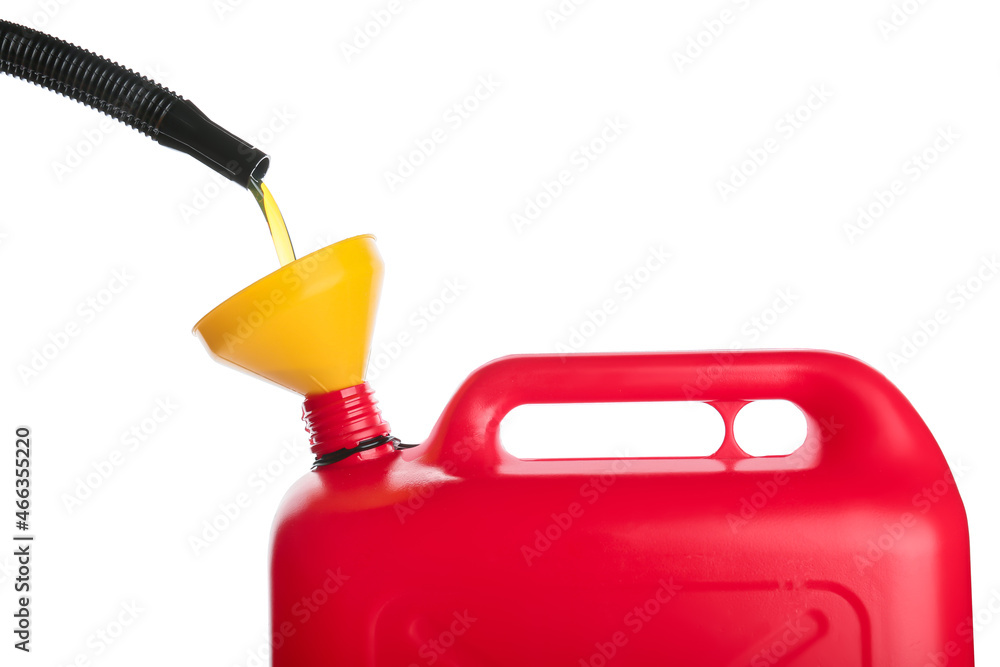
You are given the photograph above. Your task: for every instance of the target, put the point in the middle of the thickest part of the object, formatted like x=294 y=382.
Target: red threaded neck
x=343 y=418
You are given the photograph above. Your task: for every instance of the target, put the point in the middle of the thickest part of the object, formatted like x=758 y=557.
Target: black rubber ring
x=364 y=445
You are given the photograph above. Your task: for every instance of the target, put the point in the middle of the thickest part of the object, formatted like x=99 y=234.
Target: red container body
x=853 y=550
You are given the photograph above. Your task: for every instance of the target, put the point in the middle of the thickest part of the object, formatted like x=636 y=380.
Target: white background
x=276 y=73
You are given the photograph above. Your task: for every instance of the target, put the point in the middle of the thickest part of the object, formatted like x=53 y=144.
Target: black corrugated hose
x=128 y=97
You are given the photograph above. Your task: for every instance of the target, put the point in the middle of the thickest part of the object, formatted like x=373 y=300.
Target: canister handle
x=868 y=417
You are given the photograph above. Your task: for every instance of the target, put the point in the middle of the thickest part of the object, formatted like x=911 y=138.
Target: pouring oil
x=276 y=223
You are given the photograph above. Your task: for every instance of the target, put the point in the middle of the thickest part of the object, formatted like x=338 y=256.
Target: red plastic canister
x=853 y=550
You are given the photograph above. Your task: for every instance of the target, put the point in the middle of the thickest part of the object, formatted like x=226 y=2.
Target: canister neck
x=346 y=423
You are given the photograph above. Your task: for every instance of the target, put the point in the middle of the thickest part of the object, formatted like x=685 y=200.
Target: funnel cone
x=307 y=326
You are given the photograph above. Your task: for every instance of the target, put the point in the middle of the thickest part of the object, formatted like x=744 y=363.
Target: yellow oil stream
x=276 y=223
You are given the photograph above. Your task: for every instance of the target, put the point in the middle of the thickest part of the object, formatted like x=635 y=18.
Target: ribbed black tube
x=128 y=97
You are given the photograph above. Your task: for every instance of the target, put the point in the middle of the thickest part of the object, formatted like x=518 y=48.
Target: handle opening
x=681 y=429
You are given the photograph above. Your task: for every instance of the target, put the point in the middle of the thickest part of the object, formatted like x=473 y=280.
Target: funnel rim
x=253 y=285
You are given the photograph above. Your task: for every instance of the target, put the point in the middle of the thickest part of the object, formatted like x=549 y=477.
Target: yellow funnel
x=307 y=326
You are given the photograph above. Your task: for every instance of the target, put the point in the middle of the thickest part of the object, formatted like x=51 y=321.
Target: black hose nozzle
x=128 y=97
x=185 y=128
